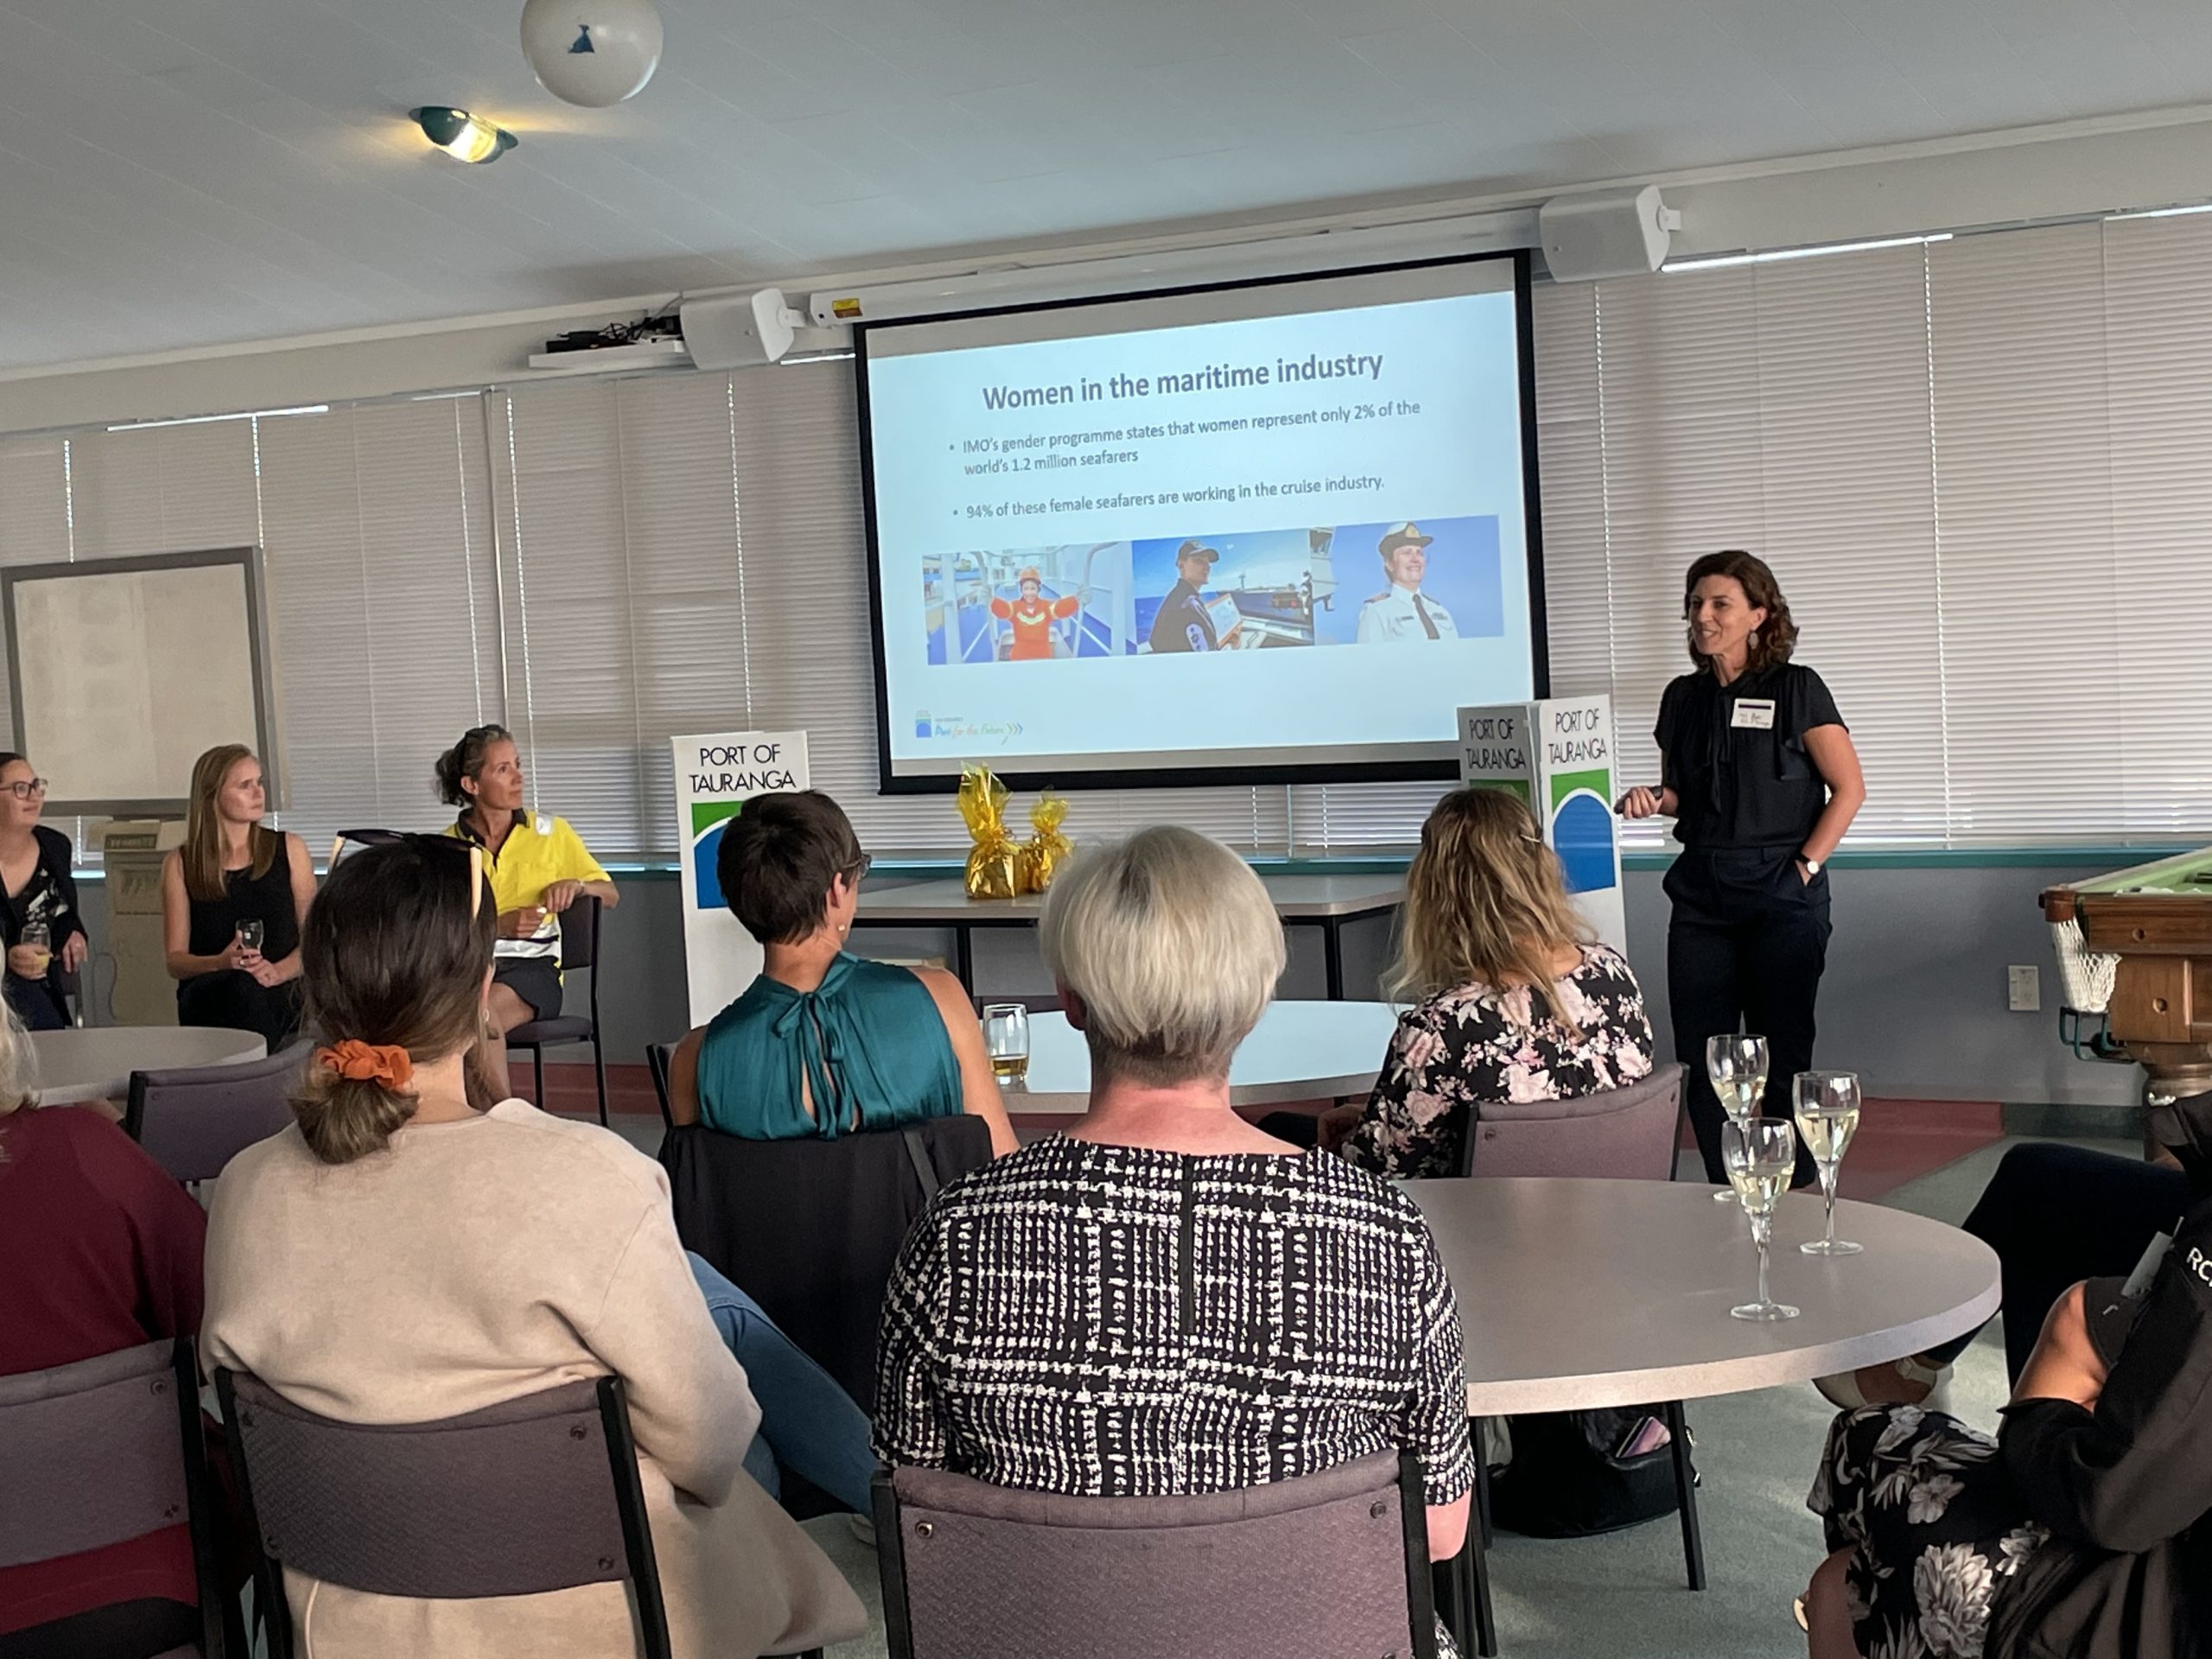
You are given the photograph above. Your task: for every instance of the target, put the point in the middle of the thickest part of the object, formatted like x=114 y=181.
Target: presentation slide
x=1277 y=530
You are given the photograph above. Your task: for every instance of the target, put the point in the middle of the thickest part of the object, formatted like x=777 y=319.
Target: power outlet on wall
x=2023 y=989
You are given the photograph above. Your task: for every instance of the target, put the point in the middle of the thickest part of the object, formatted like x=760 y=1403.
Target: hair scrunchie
x=359 y=1062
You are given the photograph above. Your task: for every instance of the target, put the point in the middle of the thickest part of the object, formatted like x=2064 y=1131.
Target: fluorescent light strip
x=824 y=356
x=1723 y=262
x=242 y=415
x=2162 y=212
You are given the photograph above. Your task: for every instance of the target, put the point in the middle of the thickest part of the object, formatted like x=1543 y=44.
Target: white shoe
x=863 y=1529
x=1842 y=1389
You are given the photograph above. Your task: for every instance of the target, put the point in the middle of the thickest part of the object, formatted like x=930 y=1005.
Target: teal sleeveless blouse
x=867 y=1043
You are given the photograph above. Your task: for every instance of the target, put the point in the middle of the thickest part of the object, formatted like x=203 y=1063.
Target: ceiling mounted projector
x=739 y=331
x=1605 y=233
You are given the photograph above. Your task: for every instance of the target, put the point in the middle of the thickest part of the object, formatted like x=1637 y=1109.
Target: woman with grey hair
x=1226 y=1310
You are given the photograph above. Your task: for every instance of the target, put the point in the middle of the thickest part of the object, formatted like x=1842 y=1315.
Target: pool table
x=2156 y=919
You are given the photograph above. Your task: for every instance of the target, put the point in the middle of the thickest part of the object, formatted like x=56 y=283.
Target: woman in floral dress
x=1514 y=1003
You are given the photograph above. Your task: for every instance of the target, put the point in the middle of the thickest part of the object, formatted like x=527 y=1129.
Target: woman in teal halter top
x=825 y=1043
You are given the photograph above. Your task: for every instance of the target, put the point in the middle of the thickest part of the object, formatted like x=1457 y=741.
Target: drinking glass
x=38 y=936
x=1760 y=1156
x=1737 y=1063
x=1827 y=1109
x=1006 y=1038
x=250 y=935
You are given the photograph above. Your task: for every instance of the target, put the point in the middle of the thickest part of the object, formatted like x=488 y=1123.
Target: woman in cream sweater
x=399 y=1257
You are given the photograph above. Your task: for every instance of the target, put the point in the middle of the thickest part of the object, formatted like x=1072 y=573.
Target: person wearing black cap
x=1402 y=611
x=2084 y=1530
x=1759 y=772
x=1183 y=622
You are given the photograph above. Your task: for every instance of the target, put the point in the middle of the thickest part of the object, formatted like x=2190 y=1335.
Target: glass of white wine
x=1006 y=1039
x=1737 y=1063
x=1760 y=1156
x=1827 y=1109
x=250 y=934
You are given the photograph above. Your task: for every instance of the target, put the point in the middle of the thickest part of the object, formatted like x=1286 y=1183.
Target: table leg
x=1332 y=949
x=1678 y=1431
x=963 y=956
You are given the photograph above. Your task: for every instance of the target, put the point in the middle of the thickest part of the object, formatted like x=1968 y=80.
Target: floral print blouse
x=1474 y=1044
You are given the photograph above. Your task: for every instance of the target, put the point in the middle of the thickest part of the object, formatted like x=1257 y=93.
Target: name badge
x=1753 y=714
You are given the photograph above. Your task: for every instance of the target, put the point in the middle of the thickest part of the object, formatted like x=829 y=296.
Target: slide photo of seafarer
x=1416 y=580
x=1028 y=604
x=1240 y=592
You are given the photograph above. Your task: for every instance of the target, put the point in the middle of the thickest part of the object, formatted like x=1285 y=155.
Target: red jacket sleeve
x=1065 y=607
x=1001 y=609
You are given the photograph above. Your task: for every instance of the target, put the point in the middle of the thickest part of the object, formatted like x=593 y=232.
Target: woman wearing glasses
x=539 y=867
x=825 y=1043
x=234 y=897
x=38 y=895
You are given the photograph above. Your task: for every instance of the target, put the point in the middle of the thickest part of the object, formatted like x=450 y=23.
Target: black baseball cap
x=1197 y=550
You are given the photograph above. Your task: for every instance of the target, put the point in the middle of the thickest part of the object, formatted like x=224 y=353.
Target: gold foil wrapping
x=1046 y=849
x=992 y=861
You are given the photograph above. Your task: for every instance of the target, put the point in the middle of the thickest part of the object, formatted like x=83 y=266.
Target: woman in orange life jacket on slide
x=1033 y=616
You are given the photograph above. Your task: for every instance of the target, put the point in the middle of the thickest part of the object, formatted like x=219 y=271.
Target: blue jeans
x=809 y=1425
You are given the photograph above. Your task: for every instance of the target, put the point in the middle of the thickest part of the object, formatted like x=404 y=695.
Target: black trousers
x=237 y=1001
x=1745 y=952
x=2057 y=1214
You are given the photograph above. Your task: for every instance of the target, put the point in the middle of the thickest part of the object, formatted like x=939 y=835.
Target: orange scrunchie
x=362 y=1061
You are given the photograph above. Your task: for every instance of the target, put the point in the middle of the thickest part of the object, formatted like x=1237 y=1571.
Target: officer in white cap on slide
x=1402 y=611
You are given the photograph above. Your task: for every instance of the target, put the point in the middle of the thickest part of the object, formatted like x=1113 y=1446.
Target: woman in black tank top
x=232 y=899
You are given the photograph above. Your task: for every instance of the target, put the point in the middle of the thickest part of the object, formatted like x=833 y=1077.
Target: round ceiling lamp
x=591 y=51
x=464 y=136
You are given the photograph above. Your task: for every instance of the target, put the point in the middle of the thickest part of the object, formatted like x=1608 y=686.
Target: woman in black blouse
x=39 y=892
x=1226 y=1311
x=1759 y=775
x=233 y=899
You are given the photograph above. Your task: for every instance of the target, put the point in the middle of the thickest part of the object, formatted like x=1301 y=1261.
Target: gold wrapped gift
x=991 y=861
x=1043 y=854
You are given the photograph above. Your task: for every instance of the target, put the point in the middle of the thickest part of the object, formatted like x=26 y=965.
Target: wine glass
x=37 y=936
x=250 y=935
x=1737 y=1063
x=1006 y=1039
x=1760 y=1156
x=1827 y=1109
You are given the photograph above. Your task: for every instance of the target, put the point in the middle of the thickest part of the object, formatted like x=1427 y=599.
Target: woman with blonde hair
x=1513 y=1001
x=233 y=899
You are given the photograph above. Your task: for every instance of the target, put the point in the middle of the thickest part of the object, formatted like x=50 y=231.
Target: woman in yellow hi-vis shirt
x=539 y=867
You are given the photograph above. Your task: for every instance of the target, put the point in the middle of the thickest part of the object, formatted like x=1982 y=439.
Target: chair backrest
x=536 y=1494
x=106 y=1450
x=1626 y=1133
x=195 y=1119
x=1334 y=1563
x=658 y=1058
x=810 y=1228
x=580 y=934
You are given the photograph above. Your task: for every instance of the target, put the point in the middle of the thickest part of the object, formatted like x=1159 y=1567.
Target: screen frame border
x=1445 y=769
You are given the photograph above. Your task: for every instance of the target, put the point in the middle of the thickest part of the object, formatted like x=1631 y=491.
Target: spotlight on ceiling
x=466 y=137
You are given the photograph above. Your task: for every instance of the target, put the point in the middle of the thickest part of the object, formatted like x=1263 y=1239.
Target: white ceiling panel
x=181 y=172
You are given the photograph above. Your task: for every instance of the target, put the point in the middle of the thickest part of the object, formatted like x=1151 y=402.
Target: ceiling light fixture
x=466 y=137
x=1782 y=256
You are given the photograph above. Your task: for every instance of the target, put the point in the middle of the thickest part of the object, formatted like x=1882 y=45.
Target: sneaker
x=863 y=1529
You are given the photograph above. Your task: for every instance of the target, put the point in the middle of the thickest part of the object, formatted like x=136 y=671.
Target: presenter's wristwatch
x=1812 y=864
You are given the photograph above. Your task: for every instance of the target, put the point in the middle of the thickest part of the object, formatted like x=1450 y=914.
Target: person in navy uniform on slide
x=1182 y=623
x=1402 y=611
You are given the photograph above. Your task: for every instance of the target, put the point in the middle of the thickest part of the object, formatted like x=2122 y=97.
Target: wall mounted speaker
x=1605 y=233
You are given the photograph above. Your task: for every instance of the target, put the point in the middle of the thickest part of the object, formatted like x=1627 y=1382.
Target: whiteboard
x=125 y=672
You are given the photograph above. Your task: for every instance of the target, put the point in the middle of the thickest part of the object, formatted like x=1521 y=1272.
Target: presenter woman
x=539 y=867
x=233 y=899
x=36 y=892
x=1760 y=776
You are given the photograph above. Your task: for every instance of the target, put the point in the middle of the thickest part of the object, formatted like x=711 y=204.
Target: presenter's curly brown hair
x=1773 y=638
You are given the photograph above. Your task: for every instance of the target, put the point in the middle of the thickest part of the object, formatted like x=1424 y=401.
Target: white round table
x=1575 y=1294
x=95 y=1062
x=1299 y=1051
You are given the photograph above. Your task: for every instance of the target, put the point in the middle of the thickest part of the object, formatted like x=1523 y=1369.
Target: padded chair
x=579 y=948
x=194 y=1120
x=658 y=1058
x=810 y=1228
x=1330 y=1565
x=533 y=1495
x=108 y=1450
x=1625 y=1133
